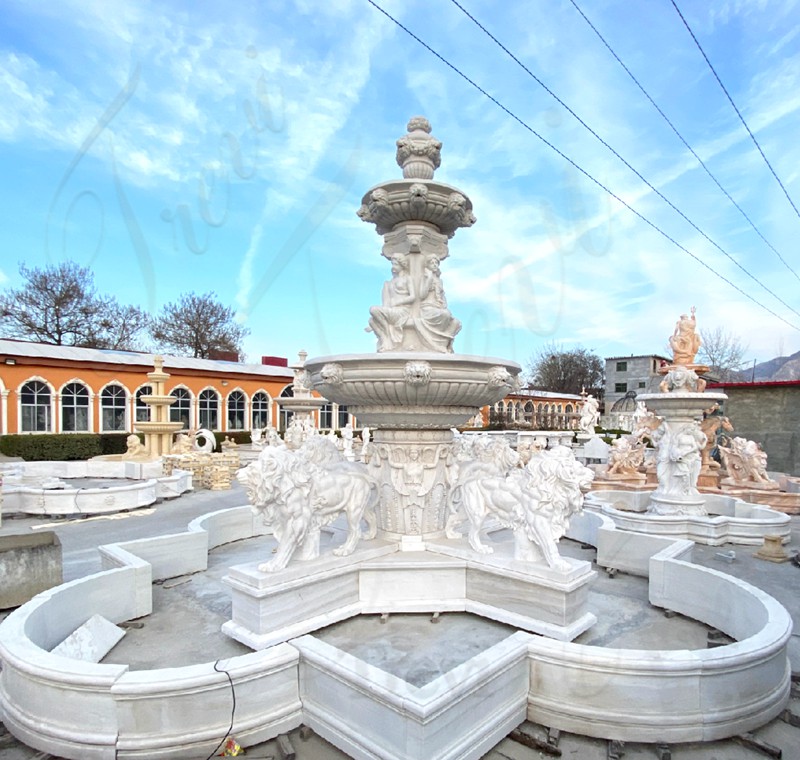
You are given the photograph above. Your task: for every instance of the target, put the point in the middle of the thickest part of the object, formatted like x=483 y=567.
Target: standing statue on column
x=590 y=414
x=685 y=342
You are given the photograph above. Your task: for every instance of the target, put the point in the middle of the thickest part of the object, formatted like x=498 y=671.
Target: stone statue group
x=298 y=492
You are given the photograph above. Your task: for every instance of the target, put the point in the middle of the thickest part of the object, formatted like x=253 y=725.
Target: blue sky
x=178 y=147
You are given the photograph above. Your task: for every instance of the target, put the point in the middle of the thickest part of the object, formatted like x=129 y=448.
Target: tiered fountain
x=301 y=403
x=159 y=430
x=412 y=392
x=676 y=508
x=415 y=389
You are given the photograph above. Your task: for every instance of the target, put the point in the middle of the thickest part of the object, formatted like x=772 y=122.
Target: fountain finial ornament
x=418 y=152
x=682 y=376
x=685 y=342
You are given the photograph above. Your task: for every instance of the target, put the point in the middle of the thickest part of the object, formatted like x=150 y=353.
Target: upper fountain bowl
x=403 y=200
x=413 y=390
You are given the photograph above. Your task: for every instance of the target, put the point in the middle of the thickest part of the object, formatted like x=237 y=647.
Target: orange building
x=61 y=389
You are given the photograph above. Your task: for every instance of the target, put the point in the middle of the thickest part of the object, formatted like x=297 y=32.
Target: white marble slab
x=92 y=641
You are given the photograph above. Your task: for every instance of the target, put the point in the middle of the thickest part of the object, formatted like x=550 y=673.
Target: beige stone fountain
x=159 y=430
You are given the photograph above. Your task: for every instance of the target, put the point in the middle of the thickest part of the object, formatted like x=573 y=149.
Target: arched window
x=236 y=410
x=326 y=417
x=343 y=416
x=568 y=409
x=112 y=408
x=529 y=411
x=286 y=415
x=181 y=410
x=35 y=407
x=142 y=410
x=75 y=408
x=260 y=410
x=209 y=409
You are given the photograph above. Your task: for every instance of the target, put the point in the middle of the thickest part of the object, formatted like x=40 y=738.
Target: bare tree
x=59 y=304
x=556 y=369
x=122 y=327
x=723 y=352
x=198 y=325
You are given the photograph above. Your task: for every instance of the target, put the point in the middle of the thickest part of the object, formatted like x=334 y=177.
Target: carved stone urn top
x=416 y=197
x=418 y=152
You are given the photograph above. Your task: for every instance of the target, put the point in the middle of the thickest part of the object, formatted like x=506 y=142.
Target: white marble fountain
x=419 y=485
x=412 y=393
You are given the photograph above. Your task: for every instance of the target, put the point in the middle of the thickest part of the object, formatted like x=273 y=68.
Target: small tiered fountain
x=302 y=403
x=126 y=481
x=158 y=430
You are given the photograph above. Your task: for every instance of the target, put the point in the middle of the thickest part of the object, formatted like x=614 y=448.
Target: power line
x=681 y=138
x=624 y=161
x=597 y=182
x=738 y=113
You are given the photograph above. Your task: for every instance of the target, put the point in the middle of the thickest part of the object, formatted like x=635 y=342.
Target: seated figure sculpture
x=388 y=320
x=300 y=492
x=624 y=459
x=437 y=326
x=136 y=450
x=413 y=315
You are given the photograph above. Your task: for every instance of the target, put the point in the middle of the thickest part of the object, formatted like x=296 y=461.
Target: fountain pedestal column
x=413 y=468
x=680 y=441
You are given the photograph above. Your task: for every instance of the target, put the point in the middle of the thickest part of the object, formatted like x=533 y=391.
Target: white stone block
x=268 y=608
x=91 y=641
x=596 y=448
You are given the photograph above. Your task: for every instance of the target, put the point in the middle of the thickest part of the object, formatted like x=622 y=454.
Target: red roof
x=758 y=384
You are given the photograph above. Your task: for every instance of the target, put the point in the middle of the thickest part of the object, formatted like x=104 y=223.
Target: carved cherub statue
x=135 y=449
x=625 y=458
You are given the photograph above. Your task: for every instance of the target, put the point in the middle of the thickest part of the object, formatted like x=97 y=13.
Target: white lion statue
x=535 y=502
x=300 y=492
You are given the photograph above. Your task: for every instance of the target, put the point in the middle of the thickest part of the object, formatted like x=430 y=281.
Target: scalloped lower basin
x=82 y=710
x=406 y=389
x=729 y=520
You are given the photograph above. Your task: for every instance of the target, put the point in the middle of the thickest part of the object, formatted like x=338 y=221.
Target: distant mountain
x=780 y=368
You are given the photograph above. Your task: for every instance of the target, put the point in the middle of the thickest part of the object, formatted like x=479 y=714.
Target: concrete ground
x=200 y=603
